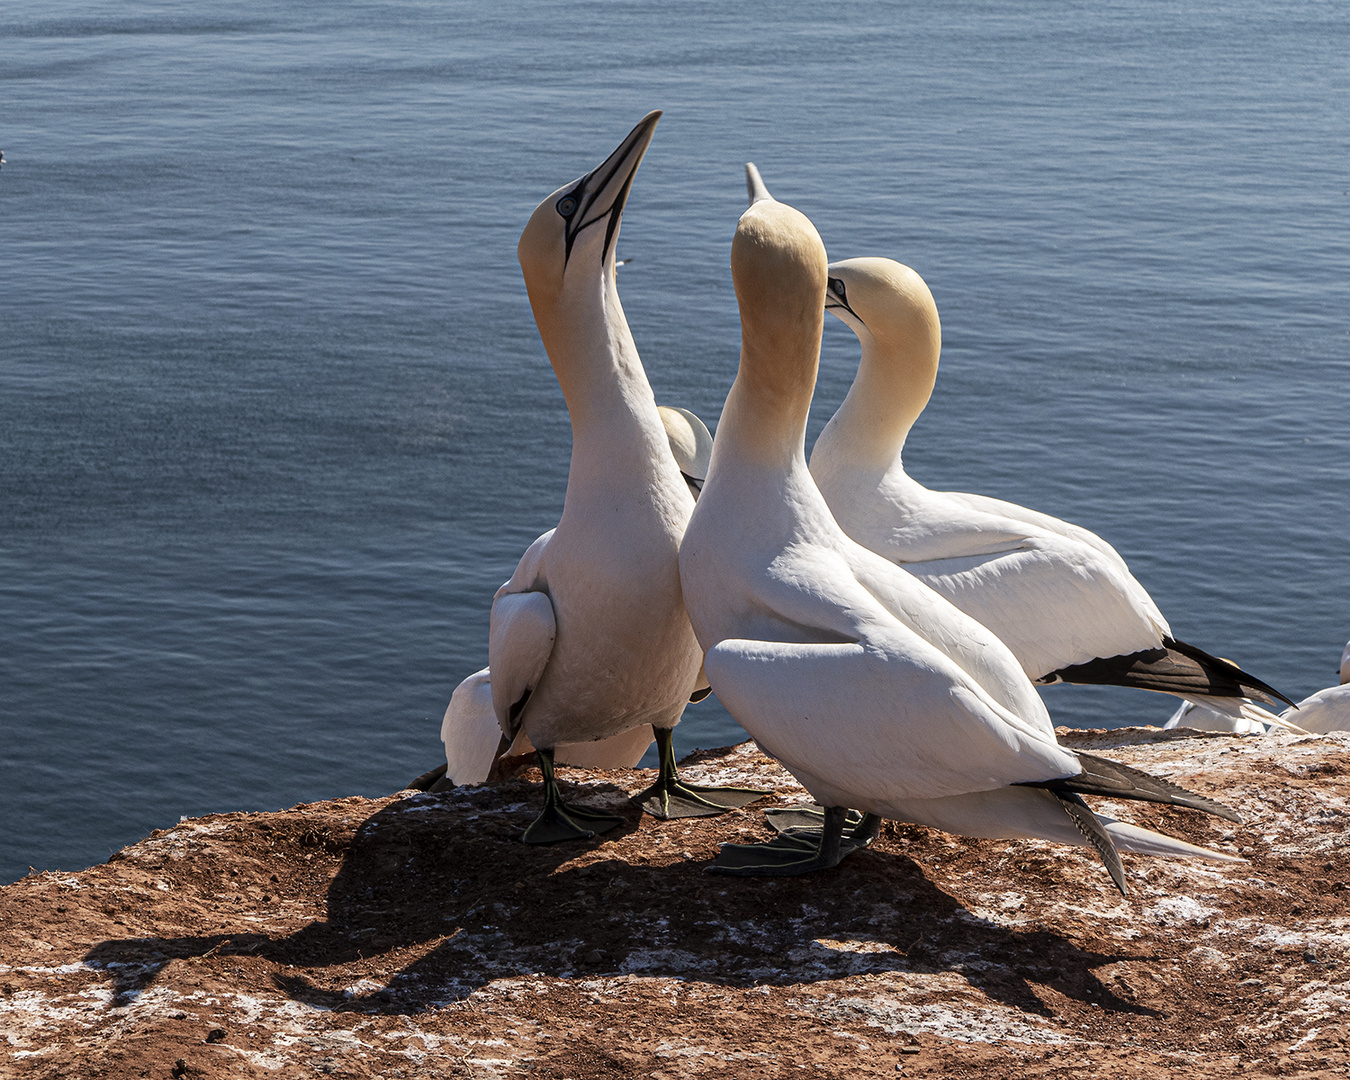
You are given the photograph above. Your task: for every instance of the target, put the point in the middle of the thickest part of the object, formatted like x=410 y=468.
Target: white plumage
x=873 y=690
x=589 y=638
x=470 y=730
x=1058 y=595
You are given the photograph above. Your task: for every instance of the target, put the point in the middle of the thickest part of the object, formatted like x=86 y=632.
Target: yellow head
x=568 y=243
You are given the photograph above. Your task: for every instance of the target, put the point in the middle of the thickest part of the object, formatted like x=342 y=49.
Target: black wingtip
x=1176 y=668
x=1083 y=817
x=1111 y=779
x=1254 y=686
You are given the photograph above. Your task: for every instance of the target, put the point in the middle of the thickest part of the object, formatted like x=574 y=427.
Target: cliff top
x=413 y=936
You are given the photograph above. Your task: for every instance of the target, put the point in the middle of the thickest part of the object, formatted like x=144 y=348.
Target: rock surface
x=414 y=936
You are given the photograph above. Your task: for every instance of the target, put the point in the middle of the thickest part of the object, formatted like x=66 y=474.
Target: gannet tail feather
x=1116 y=781
x=1094 y=834
x=1177 y=668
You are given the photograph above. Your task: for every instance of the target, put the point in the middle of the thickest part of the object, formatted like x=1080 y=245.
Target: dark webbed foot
x=671 y=797
x=562 y=822
x=807 y=821
x=558 y=821
x=796 y=851
x=676 y=799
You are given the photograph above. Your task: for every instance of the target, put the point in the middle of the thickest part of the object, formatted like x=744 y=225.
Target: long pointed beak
x=754 y=184
x=600 y=195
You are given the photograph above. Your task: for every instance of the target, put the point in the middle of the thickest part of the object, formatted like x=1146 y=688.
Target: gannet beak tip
x=599 y=197
x=754 y=184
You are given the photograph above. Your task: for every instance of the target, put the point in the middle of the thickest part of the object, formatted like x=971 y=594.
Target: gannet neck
x=566 y=255
x=1345 y=664
x=778 y=268
x=889 y=308
x=592 y=351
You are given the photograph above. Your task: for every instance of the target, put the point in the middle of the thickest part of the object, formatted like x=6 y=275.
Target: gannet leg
x=796 y=851
x=807 y=820
x=671 y=797
x=558 y=821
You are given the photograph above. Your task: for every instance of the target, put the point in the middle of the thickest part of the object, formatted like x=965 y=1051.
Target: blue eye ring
x=837 y=287
x=566 y=206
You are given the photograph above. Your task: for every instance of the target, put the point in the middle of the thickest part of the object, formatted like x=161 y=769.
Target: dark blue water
x=275 y=422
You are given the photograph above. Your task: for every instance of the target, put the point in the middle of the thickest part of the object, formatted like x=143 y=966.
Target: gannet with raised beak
x=1059 y=596
x=589 y=638
x=869 y=687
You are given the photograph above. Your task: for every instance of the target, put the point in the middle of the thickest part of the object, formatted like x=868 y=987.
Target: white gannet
x=1329 y=709
x=873 y=690
x=589 y=637
x=470 y=732
x=1326 y=710
x=1058 y=595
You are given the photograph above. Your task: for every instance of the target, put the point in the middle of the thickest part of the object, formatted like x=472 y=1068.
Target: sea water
x=275 y=421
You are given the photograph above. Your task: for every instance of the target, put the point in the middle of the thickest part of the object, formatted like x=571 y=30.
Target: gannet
x=469 y=730
x=589 y=637
x=1329 y=709
x=1058 y=595
x=874 y=691
x=1326 y=710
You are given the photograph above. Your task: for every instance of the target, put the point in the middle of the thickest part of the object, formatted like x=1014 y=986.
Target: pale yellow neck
x=889 y=393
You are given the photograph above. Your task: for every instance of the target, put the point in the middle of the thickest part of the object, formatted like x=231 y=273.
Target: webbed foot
x=807 y=821
x=558 y=821
x=670 y=797
x=676 y=799
x=562 y=822
x=796 y=851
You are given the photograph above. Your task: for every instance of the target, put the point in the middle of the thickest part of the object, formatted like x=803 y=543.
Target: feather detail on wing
x=470 y=731
x=861 y=725
x=1037 y=520
x=1173 y=668
x=520 y=641
x=1102 y=776
x=1053 y=602
x=472 y=738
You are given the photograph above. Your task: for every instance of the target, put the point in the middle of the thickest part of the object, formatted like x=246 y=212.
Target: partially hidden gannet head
x=778 y=267
x=887 y=301
x=690 y=442
x=1345 y=664
x=571 y=234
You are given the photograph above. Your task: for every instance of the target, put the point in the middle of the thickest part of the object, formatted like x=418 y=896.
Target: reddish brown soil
x=415 y=937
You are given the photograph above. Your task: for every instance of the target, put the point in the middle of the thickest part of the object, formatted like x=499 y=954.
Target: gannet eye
x=837 y=287
x=566 y=206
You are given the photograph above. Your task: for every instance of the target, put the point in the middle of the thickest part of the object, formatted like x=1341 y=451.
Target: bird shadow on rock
x=407 y=871
x=641 y=903
x=436 y=897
